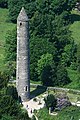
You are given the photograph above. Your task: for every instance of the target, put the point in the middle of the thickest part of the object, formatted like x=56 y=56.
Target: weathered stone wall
x=23 y=60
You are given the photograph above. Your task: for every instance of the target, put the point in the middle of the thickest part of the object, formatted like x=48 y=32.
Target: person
x=27 y=106
x=31 y=111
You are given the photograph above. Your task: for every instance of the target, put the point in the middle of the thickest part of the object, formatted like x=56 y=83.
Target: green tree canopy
x=3 y=80
x=46 y=60
x=50 y=101
x=10 y=52
x=11 y=109
x=15 y=6
x=44 y=69
x=38 y=47
x=62 y=76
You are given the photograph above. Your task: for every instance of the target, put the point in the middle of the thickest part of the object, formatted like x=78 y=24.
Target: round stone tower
x=23 y=59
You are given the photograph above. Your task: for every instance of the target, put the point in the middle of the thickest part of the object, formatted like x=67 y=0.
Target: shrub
x=11 y=90
x=50 y=101
x=23 y=115
x=7 y=117
x=3 y=80
x=8 y=106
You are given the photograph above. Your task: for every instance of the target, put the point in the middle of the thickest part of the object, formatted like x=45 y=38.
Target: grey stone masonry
x=23 y=58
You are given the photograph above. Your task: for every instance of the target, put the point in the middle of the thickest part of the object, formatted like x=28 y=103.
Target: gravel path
x=31 y=105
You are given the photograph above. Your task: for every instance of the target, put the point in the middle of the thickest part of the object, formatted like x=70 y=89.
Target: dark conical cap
x=22 y=15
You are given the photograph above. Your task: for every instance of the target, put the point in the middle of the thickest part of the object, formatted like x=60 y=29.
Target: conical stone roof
x=22 y=15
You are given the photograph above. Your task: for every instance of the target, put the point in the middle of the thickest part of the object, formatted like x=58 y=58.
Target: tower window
x=20 y=24
x=26 y=88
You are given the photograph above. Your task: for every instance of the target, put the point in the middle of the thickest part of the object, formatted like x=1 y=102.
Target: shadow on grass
x=75 y=17
x=39 y=90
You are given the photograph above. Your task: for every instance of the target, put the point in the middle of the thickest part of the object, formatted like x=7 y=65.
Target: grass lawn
x=5 y=26
x=75 y=79
x=75 y=26
x=35 y=82
x=69 y=113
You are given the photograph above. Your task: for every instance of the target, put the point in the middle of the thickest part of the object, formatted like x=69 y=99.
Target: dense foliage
x=50 y=101
x=9 y=106
x=3 y=80
x=38 y=47
x=52 y=50
x=11 y=90
x=10 y=53
x=16 y=5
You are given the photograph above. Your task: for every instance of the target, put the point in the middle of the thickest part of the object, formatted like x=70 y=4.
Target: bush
x=23 y=115
x=7 y=117
x=11 y=90
x=50 y=101
x=3 y=80
x=8 y=106
x=62 y=76
x=15 y=6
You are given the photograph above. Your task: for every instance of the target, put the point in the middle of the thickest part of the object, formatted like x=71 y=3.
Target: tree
x=7 y=117
x=11 y=90
x=10 y=52
x=38 y=47
x=23 y=115
x=55 y=28
x=46 y=70
x=69 y=54
x=46 y=76
x=9 y=107
x=62 y=76
x=10 y=45
x=3 y=80
x=46 y=60
x=16 y=5
x=78 y=58
x=50 y=101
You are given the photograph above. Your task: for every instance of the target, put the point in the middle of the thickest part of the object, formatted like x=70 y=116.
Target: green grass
x=72 y=98
x=5 y=26
x=75 y=79
x=35 y=82
x=75 y=26
x=65 y=114
x=75 y=29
